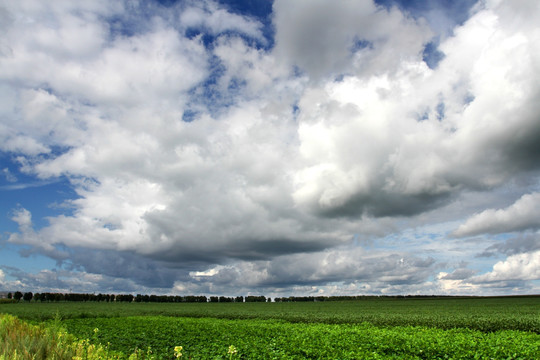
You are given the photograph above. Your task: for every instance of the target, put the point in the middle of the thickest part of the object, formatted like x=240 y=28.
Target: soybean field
x=419 y=328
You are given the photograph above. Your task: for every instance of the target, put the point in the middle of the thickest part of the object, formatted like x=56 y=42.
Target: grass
x=20 y=340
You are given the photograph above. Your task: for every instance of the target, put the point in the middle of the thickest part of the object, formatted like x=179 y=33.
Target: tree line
x=57 y=297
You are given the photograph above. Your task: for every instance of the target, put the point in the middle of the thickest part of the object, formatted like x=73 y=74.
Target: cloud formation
x=329 y=39
x=202 y=157
x=517 y=267
x=522 y=215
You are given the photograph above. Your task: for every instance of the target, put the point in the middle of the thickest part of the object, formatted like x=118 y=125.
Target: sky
x=277 y=148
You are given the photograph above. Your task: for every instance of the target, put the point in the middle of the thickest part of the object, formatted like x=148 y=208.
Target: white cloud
x=8 y=175
x=518 y=267
x=216 y=20
x=27 y=235
x=449 y=285
x=522 y=215
x=259 y=70
x=24 y=144
x=411 y=138
x=22 y=217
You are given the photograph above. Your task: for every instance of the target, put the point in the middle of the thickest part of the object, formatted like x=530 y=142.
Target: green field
x=497 y=328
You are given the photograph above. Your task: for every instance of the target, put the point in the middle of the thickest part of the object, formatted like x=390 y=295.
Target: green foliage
x=484 y=314
x=22 y=341
x=7 y=301
x=205 y=338
x=18 y=295
x=484 y=328
x=19 y=340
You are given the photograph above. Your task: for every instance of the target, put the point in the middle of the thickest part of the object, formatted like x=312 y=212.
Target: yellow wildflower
x=178 y=351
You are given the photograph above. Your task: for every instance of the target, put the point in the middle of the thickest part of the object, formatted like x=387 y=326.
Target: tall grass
x=22 y=341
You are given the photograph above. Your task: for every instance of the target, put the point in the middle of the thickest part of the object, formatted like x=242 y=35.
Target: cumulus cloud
x=402 y=143
x=27 y=234
x=517 y=267
x=328 y=39
x=522 y=215
x=191 y=147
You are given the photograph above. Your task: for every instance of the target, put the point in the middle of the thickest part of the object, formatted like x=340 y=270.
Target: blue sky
x=270 y=147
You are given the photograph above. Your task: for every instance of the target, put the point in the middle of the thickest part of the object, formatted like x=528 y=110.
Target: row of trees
x=19 y=295
x=55 y=297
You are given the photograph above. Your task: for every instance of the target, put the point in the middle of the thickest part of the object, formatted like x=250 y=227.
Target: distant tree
x=10 y=296
x=125 y=298
x=18 y=295
x=28 y=296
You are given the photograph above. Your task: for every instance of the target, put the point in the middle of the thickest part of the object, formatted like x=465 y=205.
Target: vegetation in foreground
x=204 y=338
x=21 y=341
x=404 y=329
x=254 y=339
